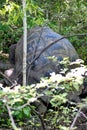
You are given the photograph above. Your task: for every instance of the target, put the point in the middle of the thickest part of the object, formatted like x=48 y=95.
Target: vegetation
x=63 y=92
x=17 y=104
x=65 y=17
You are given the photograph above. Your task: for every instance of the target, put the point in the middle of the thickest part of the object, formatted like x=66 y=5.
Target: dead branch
x=75 y=119
x=83 y=115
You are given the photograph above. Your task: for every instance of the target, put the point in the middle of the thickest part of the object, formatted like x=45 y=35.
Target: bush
x=63 y=89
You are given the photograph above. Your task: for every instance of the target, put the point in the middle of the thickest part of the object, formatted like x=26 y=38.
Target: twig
x=75 y=119
x=41 y=119
x=10 y=115
x=21 y=107
x=83 y=114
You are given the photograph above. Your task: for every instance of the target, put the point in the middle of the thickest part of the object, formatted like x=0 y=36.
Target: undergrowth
x=18 y=110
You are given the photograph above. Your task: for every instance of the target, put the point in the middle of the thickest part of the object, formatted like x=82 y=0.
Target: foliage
x=65 y=17
x=61 y=88
x=68 y=17
x=11 y=21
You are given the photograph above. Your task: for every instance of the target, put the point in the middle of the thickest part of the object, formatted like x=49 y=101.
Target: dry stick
x=11 y=117
x=24 y=42
x=75 y=119
x=41 y=119
x=83 y=114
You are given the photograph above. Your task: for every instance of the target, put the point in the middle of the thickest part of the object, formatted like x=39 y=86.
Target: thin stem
x=10 y=115
x=75 y=119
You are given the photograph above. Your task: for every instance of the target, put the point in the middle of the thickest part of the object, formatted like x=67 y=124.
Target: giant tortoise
x=42 y=43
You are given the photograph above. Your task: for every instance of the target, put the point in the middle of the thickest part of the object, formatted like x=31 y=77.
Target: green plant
x=65 y=17
x=58 y=87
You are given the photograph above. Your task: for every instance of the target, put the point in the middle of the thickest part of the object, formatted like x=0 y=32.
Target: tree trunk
x=24 y=42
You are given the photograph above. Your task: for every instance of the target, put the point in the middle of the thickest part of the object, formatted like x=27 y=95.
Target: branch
x=41 y=119
x=75 y=119
x=83 y=114
x=10 y=115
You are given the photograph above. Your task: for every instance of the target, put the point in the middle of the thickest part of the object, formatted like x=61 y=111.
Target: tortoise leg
x=12 y=54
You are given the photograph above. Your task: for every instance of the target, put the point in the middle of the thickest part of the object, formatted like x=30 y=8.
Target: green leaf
x=27 y=111
x=76 y=86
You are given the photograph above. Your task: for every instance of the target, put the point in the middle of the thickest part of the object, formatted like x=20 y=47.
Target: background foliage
x=65 y=17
